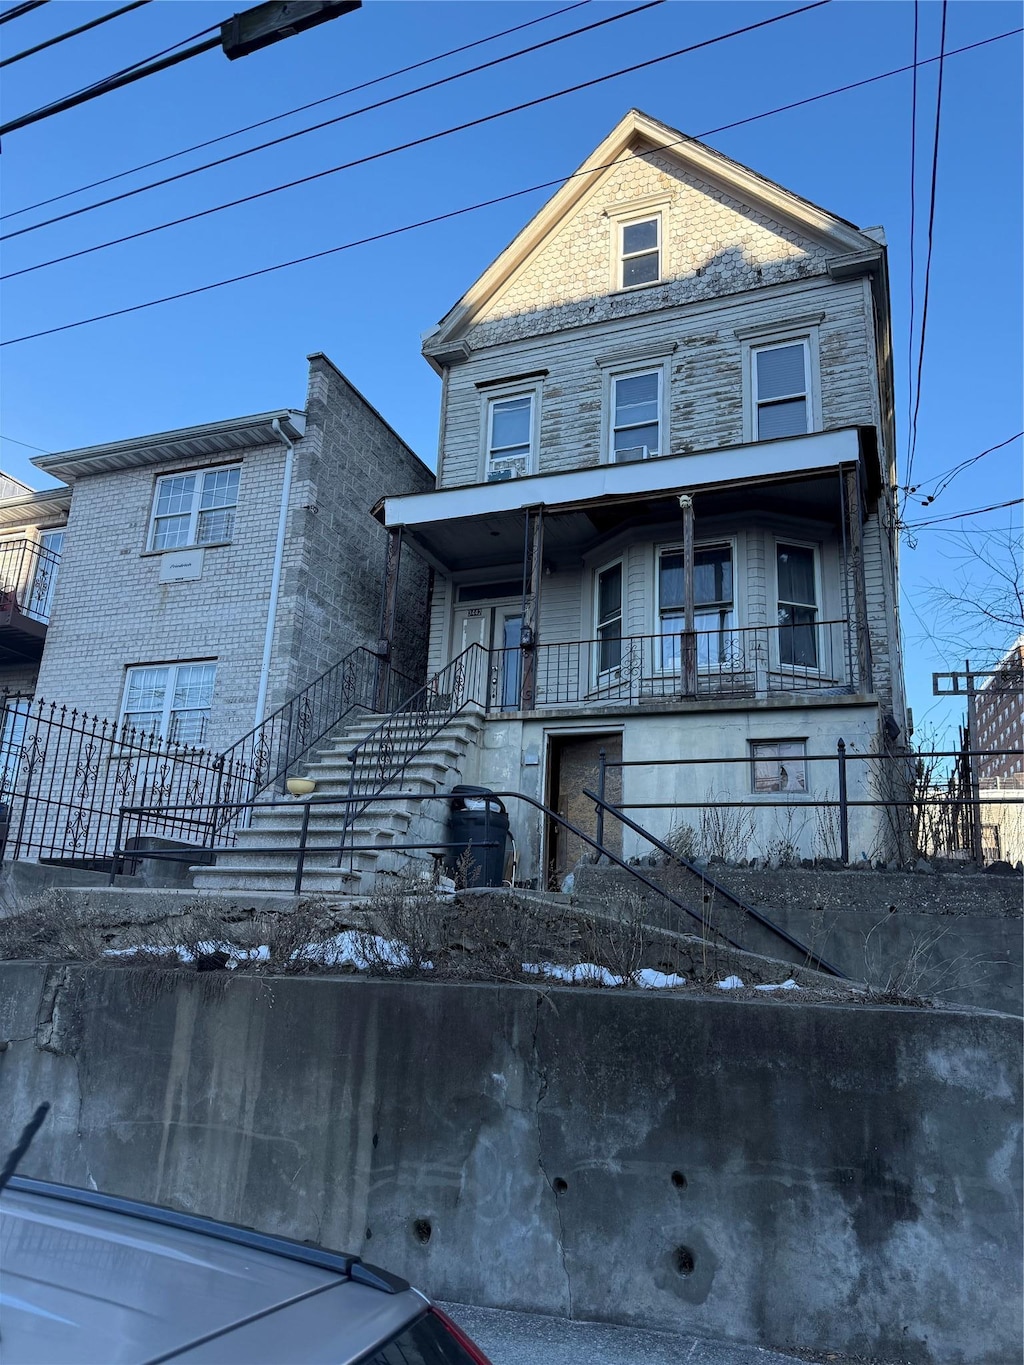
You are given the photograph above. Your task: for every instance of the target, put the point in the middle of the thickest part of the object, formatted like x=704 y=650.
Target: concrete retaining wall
x=788 y=1174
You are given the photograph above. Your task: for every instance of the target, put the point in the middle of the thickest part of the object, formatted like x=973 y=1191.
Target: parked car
x=91 y=1279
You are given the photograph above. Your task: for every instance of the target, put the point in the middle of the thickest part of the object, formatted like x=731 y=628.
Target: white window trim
x=812 y=370
x=636 y=211
x=163 y=731
x=775 y=659
x=668 y=547
x=803 y=795
x=193 y=525
x=613 y=373
x=501 y=394
x=597 y=672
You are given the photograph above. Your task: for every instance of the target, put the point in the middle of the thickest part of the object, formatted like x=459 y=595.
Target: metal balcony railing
x=733 y=661
x=28 y=572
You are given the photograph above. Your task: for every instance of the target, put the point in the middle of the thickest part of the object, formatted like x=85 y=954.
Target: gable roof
x=635 y=134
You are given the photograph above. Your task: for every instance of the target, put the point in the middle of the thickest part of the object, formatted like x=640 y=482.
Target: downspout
x=275 y=578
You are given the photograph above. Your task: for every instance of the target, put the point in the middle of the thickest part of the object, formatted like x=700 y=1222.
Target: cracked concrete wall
x=784 y=1174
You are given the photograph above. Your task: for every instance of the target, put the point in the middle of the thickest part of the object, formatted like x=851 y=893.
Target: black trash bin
x=476 y=818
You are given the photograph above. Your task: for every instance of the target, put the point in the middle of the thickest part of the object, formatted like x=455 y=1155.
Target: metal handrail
x=449 y=692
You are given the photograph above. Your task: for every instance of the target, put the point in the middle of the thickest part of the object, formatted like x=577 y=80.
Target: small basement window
x=779 y=765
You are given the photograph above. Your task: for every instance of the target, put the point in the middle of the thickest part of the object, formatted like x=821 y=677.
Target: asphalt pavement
x=527 y=1339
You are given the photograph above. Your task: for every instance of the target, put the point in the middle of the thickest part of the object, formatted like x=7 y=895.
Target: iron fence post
x=602 y=769
x=287 y=750
x=117 y=861
x=301 y=860
x=844 y=810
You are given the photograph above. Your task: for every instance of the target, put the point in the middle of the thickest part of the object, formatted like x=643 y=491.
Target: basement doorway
x=573 y=764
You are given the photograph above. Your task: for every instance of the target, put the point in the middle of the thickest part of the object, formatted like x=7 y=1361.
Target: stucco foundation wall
x=824 y=1177
x=512 y=755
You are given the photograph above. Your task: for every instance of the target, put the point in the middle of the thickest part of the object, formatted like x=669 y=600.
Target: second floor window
x=171 y=701
x=798 y=606
x=713 y=604
x=641 y=252
x=781 y=390
x=194 y=509
x=509 y=437
x=636 y=416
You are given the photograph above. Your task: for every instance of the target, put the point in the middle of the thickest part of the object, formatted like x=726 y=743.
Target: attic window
x=640 y=251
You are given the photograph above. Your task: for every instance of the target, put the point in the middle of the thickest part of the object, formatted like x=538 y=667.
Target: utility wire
x=471 y=208
x=299 y=109
x=913 y=232
x=8 y=14
x=415 y=142
x=947 y=476
x=73 y=32
x=931 y=240
x=136 y=72
x=327 y=123
x=958 y=516
x=27 y=444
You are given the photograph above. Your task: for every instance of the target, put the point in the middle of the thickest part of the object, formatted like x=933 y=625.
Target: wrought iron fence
x=28 y=571
x=64 y=776
x=732 y=661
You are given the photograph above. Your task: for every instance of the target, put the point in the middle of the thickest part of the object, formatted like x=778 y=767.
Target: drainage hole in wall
x=682 y=1259
x=421 y=1230
x=559 y=1185
x=376 y=1138
x=679 y=1180
x=369 y=1234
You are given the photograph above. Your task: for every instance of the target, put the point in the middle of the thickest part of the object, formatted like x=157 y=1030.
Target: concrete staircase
x=435 y=765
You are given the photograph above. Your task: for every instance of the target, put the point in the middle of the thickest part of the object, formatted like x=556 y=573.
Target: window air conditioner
x=499 y=475
x=631 y=454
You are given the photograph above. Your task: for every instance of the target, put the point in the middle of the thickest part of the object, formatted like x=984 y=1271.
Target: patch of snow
x=580 y=974
x=659 y=980
x=731 y=983
x=788 y=985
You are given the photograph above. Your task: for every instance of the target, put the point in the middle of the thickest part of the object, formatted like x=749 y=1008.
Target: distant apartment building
x=999 y=716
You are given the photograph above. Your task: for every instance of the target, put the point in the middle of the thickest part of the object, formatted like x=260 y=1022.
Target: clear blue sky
x=242 y=348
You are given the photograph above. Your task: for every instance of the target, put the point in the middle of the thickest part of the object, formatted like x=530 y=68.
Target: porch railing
x=28 y=571
x=734 y=661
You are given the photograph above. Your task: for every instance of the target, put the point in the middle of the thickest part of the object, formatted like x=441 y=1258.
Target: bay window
x=713 y=604
x=797 y=580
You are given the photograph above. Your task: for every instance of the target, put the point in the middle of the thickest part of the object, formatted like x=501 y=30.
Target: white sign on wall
x=180 y=566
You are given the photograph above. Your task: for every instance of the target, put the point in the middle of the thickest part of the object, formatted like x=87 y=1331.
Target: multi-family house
x=663 y=515
x=207 y=575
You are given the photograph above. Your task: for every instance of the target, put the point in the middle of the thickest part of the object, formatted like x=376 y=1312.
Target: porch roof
x=478 y=524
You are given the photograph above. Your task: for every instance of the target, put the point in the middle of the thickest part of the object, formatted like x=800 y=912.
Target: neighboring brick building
x=161 y=613
x=31 y=536
x=999 y=716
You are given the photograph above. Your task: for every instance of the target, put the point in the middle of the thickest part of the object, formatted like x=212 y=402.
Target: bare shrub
x=783 y=849
x=828 y=836
x=619 y=940
x=53 y=930
x=919 y=975
x=684 y=841
x=726 y=832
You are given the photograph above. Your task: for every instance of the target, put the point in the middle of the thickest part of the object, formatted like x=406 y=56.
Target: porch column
x=855 y=539
x=688 y=658
x=533 y=573
x=388 y=613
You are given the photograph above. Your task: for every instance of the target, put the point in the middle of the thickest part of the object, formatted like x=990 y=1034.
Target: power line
x=136 y=72
x=947 y=476
x=959 y=516
x=931 y=239
x=913 y=230
x=471 y=208
x=327 y=123
x=299 y=109
x=73 y=32
x=415 y=142
x=8 y=14
x=27 y=444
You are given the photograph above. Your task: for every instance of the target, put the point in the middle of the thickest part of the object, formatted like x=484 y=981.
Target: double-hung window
x=636 y=416
x=172 y=701
x=797 y=580
x=640 y=251
x=510 y=424
x=781 y=388
x=608 y=611
x=194 y=509
x=713 y=605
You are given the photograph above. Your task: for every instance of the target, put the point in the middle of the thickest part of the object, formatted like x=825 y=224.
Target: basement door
x=573 y=764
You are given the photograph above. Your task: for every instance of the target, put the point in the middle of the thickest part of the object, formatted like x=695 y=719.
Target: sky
x=242 y=348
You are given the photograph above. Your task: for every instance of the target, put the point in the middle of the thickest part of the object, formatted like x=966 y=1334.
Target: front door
x=497 y=628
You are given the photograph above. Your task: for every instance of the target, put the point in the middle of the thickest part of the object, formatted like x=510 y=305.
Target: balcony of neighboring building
x=28 y=575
